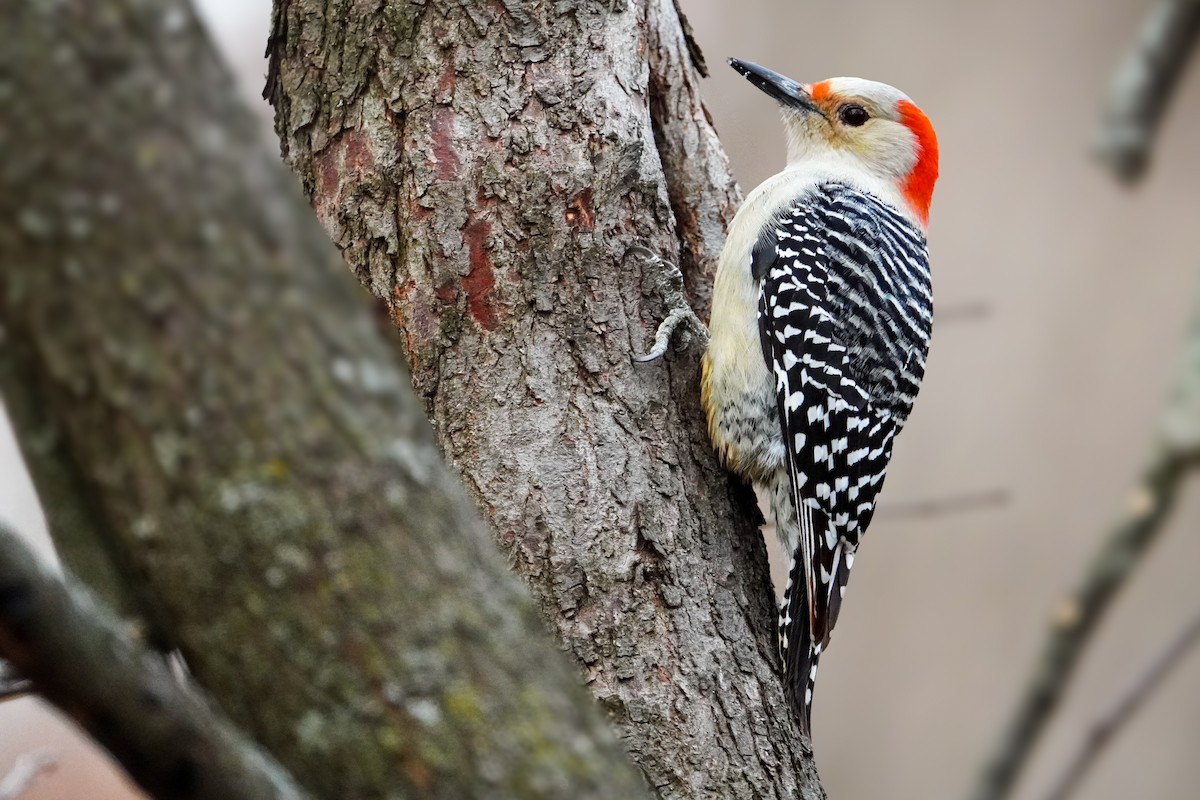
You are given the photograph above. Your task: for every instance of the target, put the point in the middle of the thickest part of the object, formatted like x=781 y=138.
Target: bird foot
x=670 y=284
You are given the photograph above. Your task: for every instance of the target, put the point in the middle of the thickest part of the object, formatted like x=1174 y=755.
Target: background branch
x=967 y=311
x=987 y=500
x=1173 y=458
x=1141 y=89
x=82 y=660
x=1104 y=729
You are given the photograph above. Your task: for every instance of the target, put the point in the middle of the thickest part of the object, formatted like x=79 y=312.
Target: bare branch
x=1105 y=728
x=171 y=742
x=1173 y=458
x=1141 y=89
x=27 y=769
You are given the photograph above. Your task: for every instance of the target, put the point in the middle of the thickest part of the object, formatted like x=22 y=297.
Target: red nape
x=919 y=186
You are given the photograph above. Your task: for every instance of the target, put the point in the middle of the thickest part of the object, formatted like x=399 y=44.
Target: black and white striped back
x=845 y=316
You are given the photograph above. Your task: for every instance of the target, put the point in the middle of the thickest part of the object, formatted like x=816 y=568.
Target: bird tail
x=800 y=653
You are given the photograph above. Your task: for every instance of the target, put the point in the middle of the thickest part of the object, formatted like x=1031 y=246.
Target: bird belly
x=737 y=389
x=738 y=394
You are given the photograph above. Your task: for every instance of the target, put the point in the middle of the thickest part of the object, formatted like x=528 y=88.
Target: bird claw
x=662 y=337
x=671 y=286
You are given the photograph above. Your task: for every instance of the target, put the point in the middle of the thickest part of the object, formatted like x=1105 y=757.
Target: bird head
x=864 y=124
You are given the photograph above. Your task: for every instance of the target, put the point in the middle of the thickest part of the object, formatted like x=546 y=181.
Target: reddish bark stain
x=358 y=151
x=446 y=293
x=447 y=80
x=483 y=199
x=347 y=154
x=481 y=280
x=415 y=319
x=403 y=291
x=444 y=155
x=579 y=211
x=328 y=173
x=497 y=6
x=417 y=212
x=397 y=309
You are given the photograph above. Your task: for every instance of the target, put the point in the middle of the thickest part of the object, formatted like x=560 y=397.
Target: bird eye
x=853 y=115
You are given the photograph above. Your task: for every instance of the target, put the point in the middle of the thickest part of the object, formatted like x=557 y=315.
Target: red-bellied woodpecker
x=821 y=318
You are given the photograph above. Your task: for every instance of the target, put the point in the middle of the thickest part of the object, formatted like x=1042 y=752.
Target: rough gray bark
x=485 y=168
x=177 y=328
x=86 y=663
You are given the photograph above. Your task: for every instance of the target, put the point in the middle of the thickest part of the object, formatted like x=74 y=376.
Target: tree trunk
x=181 y=348
x=485 y=168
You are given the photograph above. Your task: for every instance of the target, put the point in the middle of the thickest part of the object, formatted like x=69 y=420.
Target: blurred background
x=1065 y=302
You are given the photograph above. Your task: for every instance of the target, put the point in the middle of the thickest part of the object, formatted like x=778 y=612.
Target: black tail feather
x=800 y=653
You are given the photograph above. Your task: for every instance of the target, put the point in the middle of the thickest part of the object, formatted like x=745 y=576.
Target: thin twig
x=1142 y=86
x=970 y=311
x=83 y=661
x=939 y=506
x=27 y=769
x=1105 y=728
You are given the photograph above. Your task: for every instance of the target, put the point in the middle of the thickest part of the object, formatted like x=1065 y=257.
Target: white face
x=855 y=119
x=867 y=134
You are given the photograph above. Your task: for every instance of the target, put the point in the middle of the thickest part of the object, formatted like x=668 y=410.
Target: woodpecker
x=821 y=318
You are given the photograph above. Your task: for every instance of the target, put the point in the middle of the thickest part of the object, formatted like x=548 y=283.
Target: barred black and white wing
x=844 y=318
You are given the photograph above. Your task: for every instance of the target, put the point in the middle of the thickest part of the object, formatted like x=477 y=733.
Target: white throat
x=827 y=166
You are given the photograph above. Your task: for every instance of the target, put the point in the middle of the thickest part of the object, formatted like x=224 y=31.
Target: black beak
x=782 y=88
